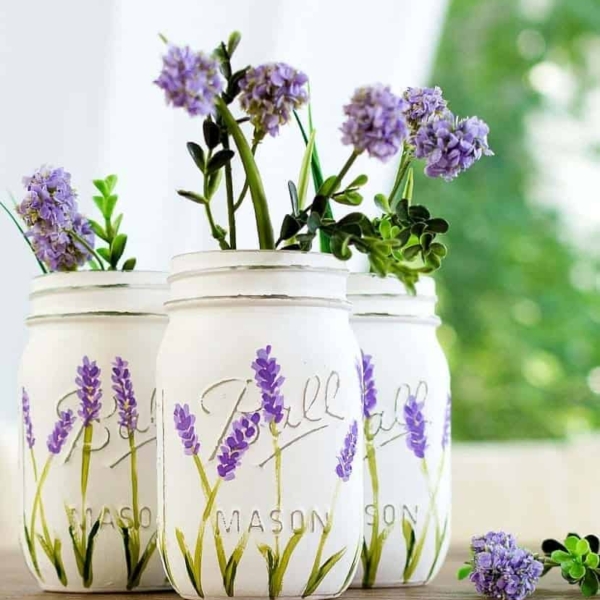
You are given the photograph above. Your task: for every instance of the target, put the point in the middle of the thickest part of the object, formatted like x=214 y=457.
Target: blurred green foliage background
x=518 y=292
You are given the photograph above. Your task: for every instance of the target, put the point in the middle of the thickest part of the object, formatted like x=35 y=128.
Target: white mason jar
x=407 y=406
x=260 y=477
x=88 y=443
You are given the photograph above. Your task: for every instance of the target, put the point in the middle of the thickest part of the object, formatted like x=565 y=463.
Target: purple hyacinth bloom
x=190 y=80
x=424 y=104
x=50 y=212
x=271 y=93
x=416 y=439
x=269 y=381
x=376 y=122
x=243 y=432
x=503 y=570
x=369 y=391
x=451 y=145
x=344 y=467
x=184 y=424
x=62 y=428
x=27 y=424
x=447 y=422
x=124 y=395
x=89 y=392
x=479 y=543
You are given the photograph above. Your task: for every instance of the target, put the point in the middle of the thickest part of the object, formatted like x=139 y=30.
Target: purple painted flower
x=89 y=392
x=447 y=422
x=503 y=570
x=416 y=439
x=270 y=94
x=190 y=80
x=124 y=395
x=451 y=145
x=49 y=210
x=62 y=428
x=376 y=122
x=369 y=391
x=184 y=424
x=27 y=424
x=424 y=104
x=269 y=381
x=346 y=457
x=243 y=432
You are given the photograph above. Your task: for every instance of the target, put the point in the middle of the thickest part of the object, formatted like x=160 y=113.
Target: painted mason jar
x=88 y=439
x=406 y=406
x=260 y=477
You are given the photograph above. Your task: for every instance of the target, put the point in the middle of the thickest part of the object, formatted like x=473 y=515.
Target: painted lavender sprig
x=60 y=433
x=447 y=423
x=27 y=424
x=89 y=391
x=416 y=439
x=127 y=407
x=269 y=381
x=186 y=430
x=344 y=471
x=236 y=444
x=369 y=390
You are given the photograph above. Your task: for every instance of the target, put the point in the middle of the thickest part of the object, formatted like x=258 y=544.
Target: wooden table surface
x=15 y=582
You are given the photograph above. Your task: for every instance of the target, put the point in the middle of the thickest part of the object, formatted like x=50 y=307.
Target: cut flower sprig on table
x=415 y=125
x=499 y=568
x=58 y=234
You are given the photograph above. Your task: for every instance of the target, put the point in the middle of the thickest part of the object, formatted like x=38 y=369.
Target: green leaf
x=571 y=543
x=320 y=575
x=213 y=183
x=382 y=203
x=402 y=210
x=411 y=252
x=197 y=198
x=116 y=225
x=289 y=228
x=109 y=205
x=98 y=230
x=582 y=548
x=129 y=264
x=385 y=229
x=409 y=185
x=197 y=155
x=340 y=247
x=560 y=556
x=219 y=160
x=233 y=42
x=111 y=182
x=437 y=225
x=319 y=205
x=293 y=191
x=101 y=186
x=189 y=563
x=58 y=563
x=104 y=253
x=577 y=571
x=232 y=565
x=305 y=170
x=589 y=585
x=592 y=560
x=212 y=134
x=418 y=212
x=88 y=573
x=314 y=222
x=99 y=202
x=358 y=181
x=438 y=249
x=117 y=248
x=464 y=572
x=408 y=533
x=285 y=560
x=327 y=188
x=138 y=571
x=348 y=198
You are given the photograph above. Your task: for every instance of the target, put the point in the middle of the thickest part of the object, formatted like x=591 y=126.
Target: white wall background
x=77 y=92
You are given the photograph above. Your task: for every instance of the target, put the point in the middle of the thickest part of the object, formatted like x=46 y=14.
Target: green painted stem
x=277 y=450
x=203 y=478
x=45 y=529
x=200 y=539
x=134 y=482
x=86 y=456
x=439 y=535
x=261 y=209
x=374 y=553
x=38 y=497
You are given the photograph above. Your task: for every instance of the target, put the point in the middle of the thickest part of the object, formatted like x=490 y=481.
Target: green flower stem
x=405 y=162
x=340 y=176
x=421 y=543
x=86 y=456
x=18 y=226
x=134 y=482
x=371 y=562
x=38 y=498
x=238 y=203
x=277 y=450
x=257 y=192
x=215 y=525
x=213 y=228
x=230 y=200
x=89 y=249
x=200 y=539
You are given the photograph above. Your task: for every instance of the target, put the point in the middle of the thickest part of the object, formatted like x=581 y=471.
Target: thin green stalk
x=277 y=450
x=439 y=534
x=374 y=553
x=340 y=176
x=134 y=481
x=261 y=209
x=38 y=497
x=213 y=228
x=22 y=232
x=45 y=529
x=86 y=455
x=230 y=200
x=200 y=539
x=245 y=187
x=405 y=162
x=89 y=249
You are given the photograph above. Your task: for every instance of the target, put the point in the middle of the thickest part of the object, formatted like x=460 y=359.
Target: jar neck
x=257 y=277
x=98 y=293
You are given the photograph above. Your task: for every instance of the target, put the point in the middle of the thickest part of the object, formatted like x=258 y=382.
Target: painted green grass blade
x=125 y=535
x=136 y=576
x=232 y=565
x=32 y=553
x=22 y=232
x=352 y=570
x=438 y=549
x=189 y=562
x=408 y=532
x=88 y=571
x=285 y=560
x=76 y=542
x=58 y=563
x=324 y=569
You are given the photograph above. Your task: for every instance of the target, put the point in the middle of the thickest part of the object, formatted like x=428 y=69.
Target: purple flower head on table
x=184 y=424
x=503 y=570
x=243 y=432
x=62 y=428
x=369 y=391
x=271 y=93
x=190 y=80
x=347 y=454
x=447 y=422
x=89 y=392
x=124 y=395
x=375 y=122
x=27 y=424
x=269 y=381
x=451 y=145
x=416 y=439
x=424 y=104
